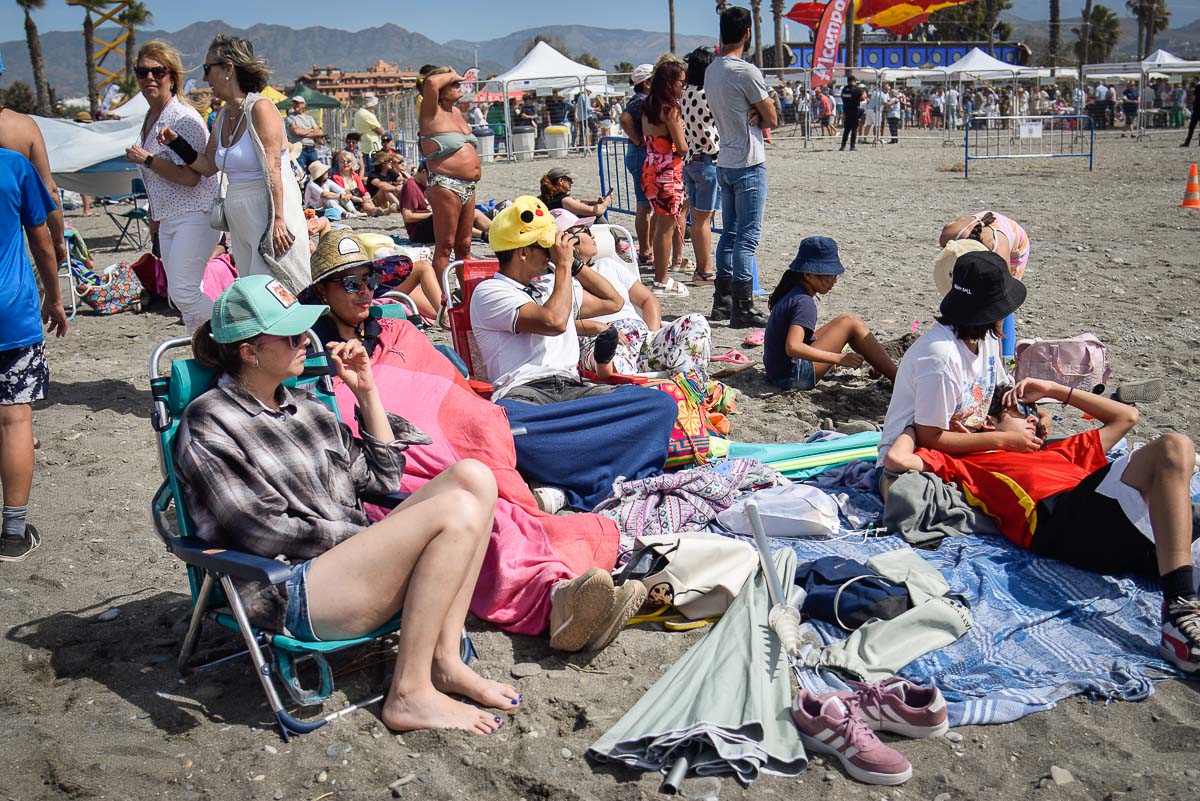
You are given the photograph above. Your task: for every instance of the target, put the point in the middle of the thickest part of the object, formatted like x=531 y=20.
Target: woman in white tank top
x=263 y=205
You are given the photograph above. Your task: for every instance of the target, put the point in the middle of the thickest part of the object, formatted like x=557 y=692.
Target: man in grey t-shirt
x=302 y=128
x=741 y=108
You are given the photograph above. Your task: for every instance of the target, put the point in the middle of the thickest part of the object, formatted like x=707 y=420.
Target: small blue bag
x=848 y=593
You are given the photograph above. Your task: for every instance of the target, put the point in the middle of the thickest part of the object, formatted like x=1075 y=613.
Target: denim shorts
x=700 y=181
x=296 y=620
x=804 y=376
x=635 y=159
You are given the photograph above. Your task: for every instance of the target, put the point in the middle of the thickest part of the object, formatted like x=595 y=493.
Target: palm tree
x=34 y=41
x=991 y=15
x=777 y=11
x=1103 y=29
x=1153 y=17
x=1054 y=36
x=134 y=15
x=756 y=11
x=89 y=51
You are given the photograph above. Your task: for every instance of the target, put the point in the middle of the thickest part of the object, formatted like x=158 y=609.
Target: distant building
x=381 y=78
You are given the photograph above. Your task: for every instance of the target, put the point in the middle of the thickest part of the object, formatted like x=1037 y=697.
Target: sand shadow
x=107 y=394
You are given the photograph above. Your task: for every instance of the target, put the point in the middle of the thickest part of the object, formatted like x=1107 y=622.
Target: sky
x=463 y=19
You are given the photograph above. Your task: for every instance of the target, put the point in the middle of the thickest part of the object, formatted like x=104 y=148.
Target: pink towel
x=218 y=275
x=530 y=551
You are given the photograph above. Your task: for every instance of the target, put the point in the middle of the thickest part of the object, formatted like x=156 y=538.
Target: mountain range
x=293 y=51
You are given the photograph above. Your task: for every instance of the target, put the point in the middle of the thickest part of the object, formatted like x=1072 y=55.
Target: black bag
x=848 y=593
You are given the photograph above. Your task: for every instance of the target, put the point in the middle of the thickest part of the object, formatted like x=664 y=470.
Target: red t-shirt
x=412 y=198
x=1007 y=486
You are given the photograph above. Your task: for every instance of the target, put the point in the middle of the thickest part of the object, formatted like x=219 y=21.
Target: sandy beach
x=95 y=709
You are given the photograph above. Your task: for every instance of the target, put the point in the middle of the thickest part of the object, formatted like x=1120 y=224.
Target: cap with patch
x=337 y=251
x=259 y=304
x=526 y=222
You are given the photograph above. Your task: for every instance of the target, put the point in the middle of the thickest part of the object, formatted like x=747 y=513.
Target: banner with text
x=829 y=36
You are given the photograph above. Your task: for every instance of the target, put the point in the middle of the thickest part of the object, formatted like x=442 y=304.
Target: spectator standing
x=179 y=196
x=1195 y=114
x=852 y=97
x=952 y=100
x=700 y=166
x=737 y=97
x=368 y=127
x=635 y=157
x=302 y=128
x=1129 y=107
x=264 y=212
x=662 y=173
x=24 y=376
x=893 y=108
x=476 y=117
x=448 y=145
x=585 y=118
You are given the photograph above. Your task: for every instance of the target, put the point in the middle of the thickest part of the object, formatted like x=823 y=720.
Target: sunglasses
x=353 y=284
x=1026 y=409
x=580 y=229
x=208 y=66
x=294 y=341
x=145 y=72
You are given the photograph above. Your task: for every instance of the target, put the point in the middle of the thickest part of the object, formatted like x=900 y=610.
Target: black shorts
x=1086 y=529
x=24 y=375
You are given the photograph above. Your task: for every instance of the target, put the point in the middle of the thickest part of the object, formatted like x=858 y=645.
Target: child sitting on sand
x=1065 y=501
x=797 y=354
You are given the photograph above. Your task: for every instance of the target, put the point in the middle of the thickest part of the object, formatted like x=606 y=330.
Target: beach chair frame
x=211 y=571
x=135 y=217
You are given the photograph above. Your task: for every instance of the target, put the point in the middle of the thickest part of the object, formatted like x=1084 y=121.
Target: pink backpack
x=1078 y=362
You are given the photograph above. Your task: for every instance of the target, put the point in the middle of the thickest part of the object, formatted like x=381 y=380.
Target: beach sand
x=96 y=709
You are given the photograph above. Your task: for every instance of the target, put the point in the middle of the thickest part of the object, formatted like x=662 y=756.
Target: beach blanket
x=584 y=446
x=1043 y=630
x=803 y=460
x=529 y=550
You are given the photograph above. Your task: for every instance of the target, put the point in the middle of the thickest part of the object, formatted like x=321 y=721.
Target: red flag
x=807 y=14
x=825 y=45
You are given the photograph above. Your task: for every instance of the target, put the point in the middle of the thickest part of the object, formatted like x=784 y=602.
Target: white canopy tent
x=1158 y=64
x=978 y=64
x=89 y=158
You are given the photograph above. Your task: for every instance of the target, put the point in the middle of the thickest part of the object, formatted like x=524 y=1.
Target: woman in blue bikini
x=448 y=147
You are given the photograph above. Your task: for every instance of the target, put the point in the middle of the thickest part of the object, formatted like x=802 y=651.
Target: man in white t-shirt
x=524 y=319
x=945 y=381
x=952 y=98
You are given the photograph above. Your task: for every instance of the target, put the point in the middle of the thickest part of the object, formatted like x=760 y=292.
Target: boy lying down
x=1067 y=502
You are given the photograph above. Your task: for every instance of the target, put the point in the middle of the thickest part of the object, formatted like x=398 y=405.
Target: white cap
x=370 y=101
x=297 y=99
x=641 y=73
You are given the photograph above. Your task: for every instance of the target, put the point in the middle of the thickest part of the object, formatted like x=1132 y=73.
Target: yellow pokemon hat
x=526 y=222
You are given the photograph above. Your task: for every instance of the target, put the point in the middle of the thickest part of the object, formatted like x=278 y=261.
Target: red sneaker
x=897 y=705
x=831 y=725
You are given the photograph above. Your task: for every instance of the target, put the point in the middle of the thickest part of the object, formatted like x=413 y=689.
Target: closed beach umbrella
x=724 y=706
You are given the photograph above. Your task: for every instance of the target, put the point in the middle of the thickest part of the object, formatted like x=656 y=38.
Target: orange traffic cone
x=1191 y=194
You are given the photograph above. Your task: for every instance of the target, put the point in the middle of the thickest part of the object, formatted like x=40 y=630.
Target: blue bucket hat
x=818 y=255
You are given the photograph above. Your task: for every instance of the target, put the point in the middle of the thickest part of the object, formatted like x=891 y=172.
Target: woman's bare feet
x=430 y=709
x=457 y=678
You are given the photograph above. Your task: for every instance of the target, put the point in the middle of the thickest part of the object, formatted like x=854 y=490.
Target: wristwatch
x=146 y=161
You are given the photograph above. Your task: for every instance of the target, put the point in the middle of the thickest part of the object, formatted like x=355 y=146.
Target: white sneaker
x=550 y=500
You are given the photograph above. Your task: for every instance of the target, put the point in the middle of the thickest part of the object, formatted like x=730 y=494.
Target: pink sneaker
x=897 y=705
x=831 y=725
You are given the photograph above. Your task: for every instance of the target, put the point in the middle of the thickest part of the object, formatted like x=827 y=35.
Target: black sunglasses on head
x=145 y=72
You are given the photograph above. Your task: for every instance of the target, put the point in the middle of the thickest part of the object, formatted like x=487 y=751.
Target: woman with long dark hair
x=700 y=165
x=662 y=174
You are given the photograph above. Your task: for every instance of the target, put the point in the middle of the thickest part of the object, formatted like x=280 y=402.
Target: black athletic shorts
x=1084 y=528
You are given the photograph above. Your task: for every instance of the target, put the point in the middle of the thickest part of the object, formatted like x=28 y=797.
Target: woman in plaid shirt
x=273 y=471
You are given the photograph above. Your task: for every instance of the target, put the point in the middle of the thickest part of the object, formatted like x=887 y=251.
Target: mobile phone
x=609 y=193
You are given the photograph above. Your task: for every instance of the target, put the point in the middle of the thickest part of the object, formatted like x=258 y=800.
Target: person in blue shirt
x=796 y=353
x=24 y=376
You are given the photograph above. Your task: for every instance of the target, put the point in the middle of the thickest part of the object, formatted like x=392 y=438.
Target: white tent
x=545 y=68
x=90 y=158
x=978 y=64
x=1160 y=61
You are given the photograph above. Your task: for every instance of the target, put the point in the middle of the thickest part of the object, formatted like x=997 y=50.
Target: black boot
x=722 y=300
x=744 y=313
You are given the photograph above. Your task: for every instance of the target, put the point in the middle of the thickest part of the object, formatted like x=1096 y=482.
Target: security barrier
x=991 y=138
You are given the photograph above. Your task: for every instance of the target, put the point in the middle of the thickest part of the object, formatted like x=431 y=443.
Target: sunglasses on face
x=295 y=341
x=145 y=72
x=1026 y=409
x=208 y=66
x=353 y=284
x=580 y=229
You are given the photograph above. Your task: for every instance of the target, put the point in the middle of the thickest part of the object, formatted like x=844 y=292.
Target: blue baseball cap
x=818 y=255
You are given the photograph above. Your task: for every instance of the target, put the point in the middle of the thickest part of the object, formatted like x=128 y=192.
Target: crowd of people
x=273 y=471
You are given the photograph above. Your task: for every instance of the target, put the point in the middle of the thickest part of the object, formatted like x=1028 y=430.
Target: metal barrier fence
x=610 y=159
x=992 y=138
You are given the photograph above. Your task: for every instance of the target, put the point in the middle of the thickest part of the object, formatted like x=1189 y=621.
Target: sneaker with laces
x=627 y=600
x=17 y=549
x=578 y=609
x=1181 y=633
x=899 y=706
x=831 y=725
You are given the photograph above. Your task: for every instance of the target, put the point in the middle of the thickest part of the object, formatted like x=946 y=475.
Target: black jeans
x=850 y=128
x=555 y=389
x=1192 y=126
x=894 y=127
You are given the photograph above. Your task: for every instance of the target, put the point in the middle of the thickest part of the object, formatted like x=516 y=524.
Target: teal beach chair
x=211 y=570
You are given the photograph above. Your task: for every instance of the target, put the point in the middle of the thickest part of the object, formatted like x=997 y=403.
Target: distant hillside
x=1183 y=41
x=609 y=45
x=293 y=51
